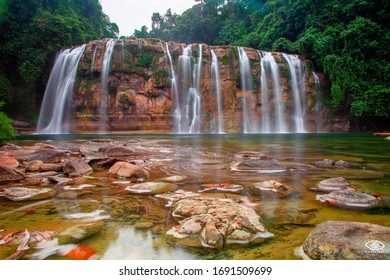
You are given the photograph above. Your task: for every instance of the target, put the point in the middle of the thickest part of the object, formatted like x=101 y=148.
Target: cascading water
x=57 y=98
x=297 y=73
x=175 y=93
x=104 y=85
x=188 y=110
x=265 y=112
x=270 y=66
x=93 y=59
x=217 y=122
x=249 y=122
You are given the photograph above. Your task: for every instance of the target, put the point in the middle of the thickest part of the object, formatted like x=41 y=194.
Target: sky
x=133 y=14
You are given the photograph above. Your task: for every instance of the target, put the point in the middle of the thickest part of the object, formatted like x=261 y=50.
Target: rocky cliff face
x=140 y=91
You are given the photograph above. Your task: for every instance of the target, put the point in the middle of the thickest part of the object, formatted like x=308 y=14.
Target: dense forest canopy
x=346 y=39
x=31 y=33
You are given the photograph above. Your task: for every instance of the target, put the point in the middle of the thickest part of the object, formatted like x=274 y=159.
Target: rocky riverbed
x=184 y=198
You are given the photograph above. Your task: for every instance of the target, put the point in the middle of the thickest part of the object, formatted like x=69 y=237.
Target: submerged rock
x=258 y=165
x=332 y=184
x=333 y=163
x=273 y=188
x=222 y=188
x=76 y=168
x=215 y=222
x=128 y=170
x=250 y=155
x=349 y=198
x=24 y=194
x=8 y=174
x=151 y=188
x=336 y=240
x=116 y=151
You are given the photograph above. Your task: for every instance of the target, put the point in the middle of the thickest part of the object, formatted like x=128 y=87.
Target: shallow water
x=120 y=218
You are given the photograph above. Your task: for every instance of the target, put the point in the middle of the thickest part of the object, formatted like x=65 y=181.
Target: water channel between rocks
x=119 y=225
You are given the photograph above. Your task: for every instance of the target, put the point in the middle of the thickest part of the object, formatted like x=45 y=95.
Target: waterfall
x=187 y=114
x=58 y=93
x=93 y=59
x=278 y=115
x=297 y=72
x=175 y=93
x=265 y=112
x=318 y=105
x=216 y=83
x=247 y=99
x=104 y=85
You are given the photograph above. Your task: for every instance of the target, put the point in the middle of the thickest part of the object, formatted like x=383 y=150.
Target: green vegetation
x=32 y=32
x=346 y=39
x=7 y=132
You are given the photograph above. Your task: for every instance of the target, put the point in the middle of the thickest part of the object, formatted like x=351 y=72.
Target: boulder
x=273 y=188
x=116 y=151
x=76 y=168
x=259 y=165
x=26 y=194
x=9 y=174
x=337 y=240
x=215 y=222
x=151 y=188
x=128 y=170
x=46 y=155
x=33 y=166
x=8 y=162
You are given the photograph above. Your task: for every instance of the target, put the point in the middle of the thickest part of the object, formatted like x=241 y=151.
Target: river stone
x=350 y=198
x=116 y=151
x=260 y=165
x=76 y=168
x=221 y=188
x=216 y=221
x=337 y=240
x=58 y=167
x=33 y=166
x=47 y=156
x=9 y=174
x=151 y=188
x=9 y=162
x=25 y=194
x=250 y=155
x=332 y=184
x=273 y=188
x=128 y=170
x=80 y=232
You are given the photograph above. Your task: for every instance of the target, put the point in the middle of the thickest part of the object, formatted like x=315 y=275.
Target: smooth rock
x=8 y=174
x=33 y=166
x=273 y=188
x=116 y=151
x=260 y=165
x=151 y=188
x=9 y=162
x=332 y=184
x=47 y=156
x=25 y=194
x=76 y=168
x=349 y=198
x=128 y=170
x=337 y=240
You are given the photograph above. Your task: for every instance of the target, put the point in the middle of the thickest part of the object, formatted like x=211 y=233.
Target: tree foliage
x=32 y=31
x=347 y=39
